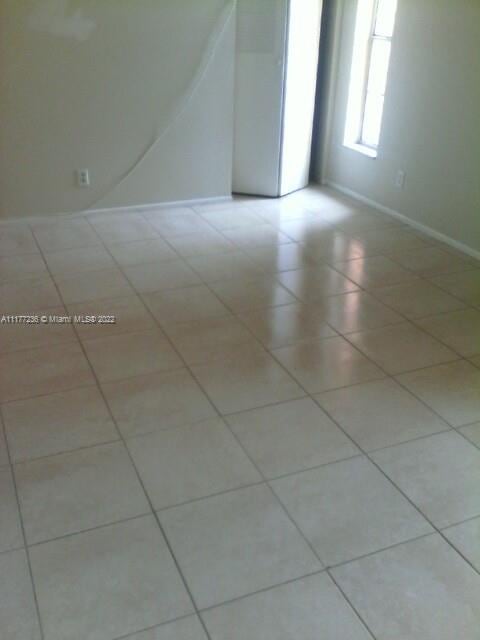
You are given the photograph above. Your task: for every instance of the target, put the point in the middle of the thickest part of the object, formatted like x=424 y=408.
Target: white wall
x=431 y=126
x=88 y=83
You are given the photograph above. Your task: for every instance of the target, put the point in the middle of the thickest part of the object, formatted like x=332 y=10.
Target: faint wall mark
x=55 y=18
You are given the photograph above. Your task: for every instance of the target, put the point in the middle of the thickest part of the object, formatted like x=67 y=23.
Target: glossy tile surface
x=249 y=400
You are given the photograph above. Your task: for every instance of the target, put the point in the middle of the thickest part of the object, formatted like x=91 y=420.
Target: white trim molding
x=436 y=235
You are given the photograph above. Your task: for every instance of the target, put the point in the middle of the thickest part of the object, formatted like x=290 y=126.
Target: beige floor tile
x=157 y=401
x=225 y=219
x=425 y=578
x=208 y=242
x=380 y=414
x=129 y=313
x=401 y=347
x=349 y=509
x=452 y=390
x=309 y=231
x=231 y=545
x=337 y=247
x=131 y=354
x=366 y=221
x=130 y=254
x=11 y=536
x=311 y=285
x=465 y=286
x=418 y=299
x=377 y=271
x=94 y=258
x=257 y=293
x=57 y=423
x=210 y=340
x=185 y=629
x=460 y=330
x=176 y=221
x=26 y=296
x=261 y=235
x=16 y=240
x=123 y=227
x=280 y=212
x=312 y=607
x=440 y=474
x=284 y=257
x=191 y=462
x=17 y=605
x=281 y=326
x=225 y=266
x=355 y=311
x=385 y=240
x=94 y=285
x=432 y=261
x=157 y=276
x=29 y=336
x=84 y=582
x=247 y=381
x=472 y=432
x=34 y=372
x=466 y=538
x=326 y=364
x=65 y=234
x=79 y=490
x=289 y=437
x=22 y=267
x=191 y=304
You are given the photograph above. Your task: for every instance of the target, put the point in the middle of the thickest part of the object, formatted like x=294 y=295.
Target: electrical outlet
x=400 y=179
x=83 y=178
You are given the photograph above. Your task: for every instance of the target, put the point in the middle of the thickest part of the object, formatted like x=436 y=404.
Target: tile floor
x=278 y=438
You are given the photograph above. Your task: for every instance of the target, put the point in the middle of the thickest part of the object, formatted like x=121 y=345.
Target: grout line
x=349 y=602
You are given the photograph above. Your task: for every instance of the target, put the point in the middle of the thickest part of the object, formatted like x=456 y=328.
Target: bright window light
x=371 y=57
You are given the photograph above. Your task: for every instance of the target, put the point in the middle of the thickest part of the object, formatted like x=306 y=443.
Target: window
x=371 y=57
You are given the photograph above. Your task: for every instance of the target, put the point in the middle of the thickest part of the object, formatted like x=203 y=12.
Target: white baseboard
x=138 y=207
x=436 y=235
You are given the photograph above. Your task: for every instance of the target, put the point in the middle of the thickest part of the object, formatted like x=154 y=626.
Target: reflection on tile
x=57 y=423
x=289 y=437
x=236 y=543
x=283 y=257
x=280 y=326
x=432 y=261
x=84 y=582
x=80 y=490
x=377 y=271
x=440 y=474
x=401 y=347
x=326 y=364
x=259 y=235
x=380 y=414
x=425 y=577
x=452 y=390
x=131 y=354
x=349 y=509
x=311 y=285
x=17 y=604
x=157 y=401
x=250 y=380
x=191 y=462
x=418 y=299
x=33 y=372
x=309 y=608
